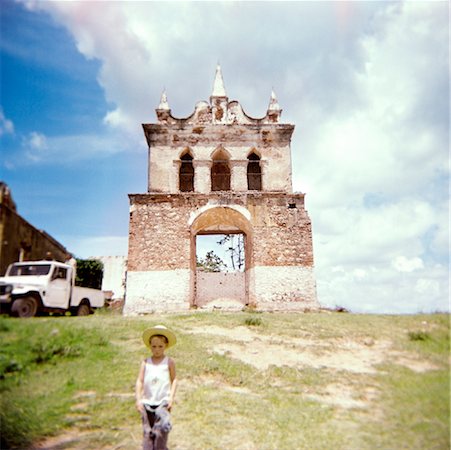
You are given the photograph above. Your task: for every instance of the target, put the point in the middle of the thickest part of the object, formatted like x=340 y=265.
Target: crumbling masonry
x=219 y=171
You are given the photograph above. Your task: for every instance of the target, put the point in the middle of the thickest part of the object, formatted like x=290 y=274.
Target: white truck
x=33 y=287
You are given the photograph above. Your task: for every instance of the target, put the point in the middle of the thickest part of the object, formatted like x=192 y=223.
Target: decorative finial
x=273 y=103
x=164 y=101
x=218 y=85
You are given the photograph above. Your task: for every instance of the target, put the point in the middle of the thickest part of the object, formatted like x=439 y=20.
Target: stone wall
x=21 y=241
x=159 y=236
x=157 y=291
x=284 y=288
x=161 y=260
x=271 y=142
x=282 y=231
x=220 y=285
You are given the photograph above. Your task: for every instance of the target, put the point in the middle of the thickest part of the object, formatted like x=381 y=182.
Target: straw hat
x=161 y=330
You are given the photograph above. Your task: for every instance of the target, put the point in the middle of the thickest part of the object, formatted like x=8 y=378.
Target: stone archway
x=208 y=287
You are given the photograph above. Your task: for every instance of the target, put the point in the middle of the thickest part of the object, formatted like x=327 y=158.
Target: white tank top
x=157 y=382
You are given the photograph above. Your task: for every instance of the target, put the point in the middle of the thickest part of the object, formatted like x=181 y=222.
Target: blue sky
x=68 y=172
x=366 y=83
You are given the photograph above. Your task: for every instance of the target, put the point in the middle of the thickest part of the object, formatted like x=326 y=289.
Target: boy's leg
x=161 y=439
x=161 y=428
x=148 y=419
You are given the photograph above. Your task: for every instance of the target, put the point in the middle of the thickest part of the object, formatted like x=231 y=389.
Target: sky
x=365 y=83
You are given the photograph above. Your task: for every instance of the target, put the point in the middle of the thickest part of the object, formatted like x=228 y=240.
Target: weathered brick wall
x=282 y=232
x=224 y=285
x=161 y=265
x=159 y=236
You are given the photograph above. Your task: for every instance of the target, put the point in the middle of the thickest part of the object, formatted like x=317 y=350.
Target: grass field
x=246 y=381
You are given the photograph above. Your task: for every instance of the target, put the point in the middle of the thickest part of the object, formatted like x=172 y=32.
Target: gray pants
x=156 y=426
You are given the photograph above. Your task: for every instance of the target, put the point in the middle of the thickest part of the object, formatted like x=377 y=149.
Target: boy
x=155 y=388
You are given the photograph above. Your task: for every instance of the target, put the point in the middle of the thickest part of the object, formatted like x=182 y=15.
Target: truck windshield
x=29 y=269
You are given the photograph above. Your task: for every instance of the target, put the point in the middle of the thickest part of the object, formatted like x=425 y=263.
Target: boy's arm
x=173 y=378
x=139 y=387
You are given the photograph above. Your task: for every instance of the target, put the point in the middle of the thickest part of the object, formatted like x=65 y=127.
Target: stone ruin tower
x=219 y=171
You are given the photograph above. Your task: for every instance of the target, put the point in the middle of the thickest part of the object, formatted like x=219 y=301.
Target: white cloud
x=403 y=264
x=37 y=141
x=384 y=290
x=377 y=175
x=366 y=84
x=35 y=145
x=63 y=150
x=6 y=125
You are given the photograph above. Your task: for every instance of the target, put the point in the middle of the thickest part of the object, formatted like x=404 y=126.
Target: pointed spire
x=218 y=85
x=273 y=103
x=164 y=101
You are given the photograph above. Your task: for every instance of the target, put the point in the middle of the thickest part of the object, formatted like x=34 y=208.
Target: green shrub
x=418 y=336
x=89 y=273
x=49 y=351
x=8 y=365
x=253 y=321
x=17 y=421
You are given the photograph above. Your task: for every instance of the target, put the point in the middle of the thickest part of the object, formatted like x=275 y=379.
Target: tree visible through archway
x=220 y=271
x=221 y=252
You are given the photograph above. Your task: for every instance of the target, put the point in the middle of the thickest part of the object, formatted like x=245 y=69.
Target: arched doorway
x=208 y=287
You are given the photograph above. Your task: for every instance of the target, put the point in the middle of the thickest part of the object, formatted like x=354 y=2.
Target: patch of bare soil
x=67 y=441
x=339 y=354
x=184 y=385
x=343 y=396
x=356 y=356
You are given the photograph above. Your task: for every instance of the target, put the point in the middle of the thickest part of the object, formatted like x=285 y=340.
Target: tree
x=235 y=244
x=89 y=273
x=211 y=263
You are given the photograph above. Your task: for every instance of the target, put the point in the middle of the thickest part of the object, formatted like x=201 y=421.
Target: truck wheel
x=83 y=310
x=24 y=307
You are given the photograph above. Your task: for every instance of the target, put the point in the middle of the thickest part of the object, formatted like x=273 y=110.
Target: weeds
x=418 y=335
x=50 y=351
x=253 y=321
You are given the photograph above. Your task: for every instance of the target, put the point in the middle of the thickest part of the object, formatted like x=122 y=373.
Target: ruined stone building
x=21 y=241
x=219 y=171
